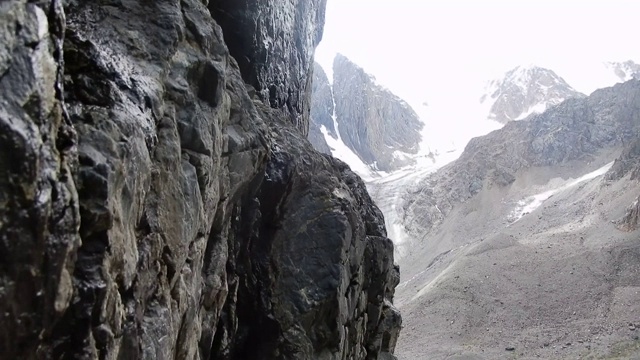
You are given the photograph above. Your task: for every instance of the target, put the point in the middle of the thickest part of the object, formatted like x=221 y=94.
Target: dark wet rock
x=39 y=217
x=274 y=47
x=156 y=208
x=575 y=130
x=318 y=269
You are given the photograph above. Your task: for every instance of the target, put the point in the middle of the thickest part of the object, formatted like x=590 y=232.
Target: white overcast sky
x=422 y=48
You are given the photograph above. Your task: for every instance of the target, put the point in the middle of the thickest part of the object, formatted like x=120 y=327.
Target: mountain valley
x=524 y=243
x=195 y=180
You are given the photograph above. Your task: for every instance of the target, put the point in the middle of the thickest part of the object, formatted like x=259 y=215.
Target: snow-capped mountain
x=509 y=233
x=360 y=122
x=523 y=91
x=624 y=71
x=378 y=125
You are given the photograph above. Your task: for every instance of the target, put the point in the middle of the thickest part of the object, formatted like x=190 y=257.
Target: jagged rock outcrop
x=154 y=208
x=315 y=268
x=627 y=164
x=321 y=110
x=577 y=129
x=39 y=216
x=629 y=222
x=377 y=125
x=274 y=46
x=524 y=91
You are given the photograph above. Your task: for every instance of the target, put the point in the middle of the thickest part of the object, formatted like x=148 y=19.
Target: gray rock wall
x=373 y=122
x=274 y=46
x=321 y=110
x=39 y=217
x=153 y=208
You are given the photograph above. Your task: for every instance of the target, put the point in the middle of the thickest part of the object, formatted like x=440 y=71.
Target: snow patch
x=531 y=203
x=341 y=151
x=342 y=194
x=536 y=109
x=400 y=155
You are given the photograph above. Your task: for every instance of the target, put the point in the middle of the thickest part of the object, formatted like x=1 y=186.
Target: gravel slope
x=560 y=283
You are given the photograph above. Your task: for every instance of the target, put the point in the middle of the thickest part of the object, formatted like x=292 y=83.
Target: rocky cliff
x=375 y=123
x=322 y=108
x=273 y=46
x=575 y=130
x=524 y=91
x=161 y=200
x=380 y=128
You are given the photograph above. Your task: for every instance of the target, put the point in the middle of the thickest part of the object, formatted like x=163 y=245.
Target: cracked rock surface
x=157 y=204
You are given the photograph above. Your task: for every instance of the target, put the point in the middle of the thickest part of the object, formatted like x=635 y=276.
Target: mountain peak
x=362 y=122
x=624 y=70
x=524 y=90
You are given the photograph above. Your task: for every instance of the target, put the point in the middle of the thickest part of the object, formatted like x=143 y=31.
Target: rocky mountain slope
x=524 y=91
x=380 y=128
x=559 y=283
x=576 y=130
x=161 y=199
x=526 y=246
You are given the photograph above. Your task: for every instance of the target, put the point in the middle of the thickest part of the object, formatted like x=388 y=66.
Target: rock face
x=155 y=207
x=379 y=127
x=524 y=91
x=628 y=164
x=39 y=217
x=577 y=129
x=373 y=122
x=322 y=248
x=322 y=108
x=274 y=47
x=629 y=222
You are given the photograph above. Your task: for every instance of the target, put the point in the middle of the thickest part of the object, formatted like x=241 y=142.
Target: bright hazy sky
x=409 y=44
